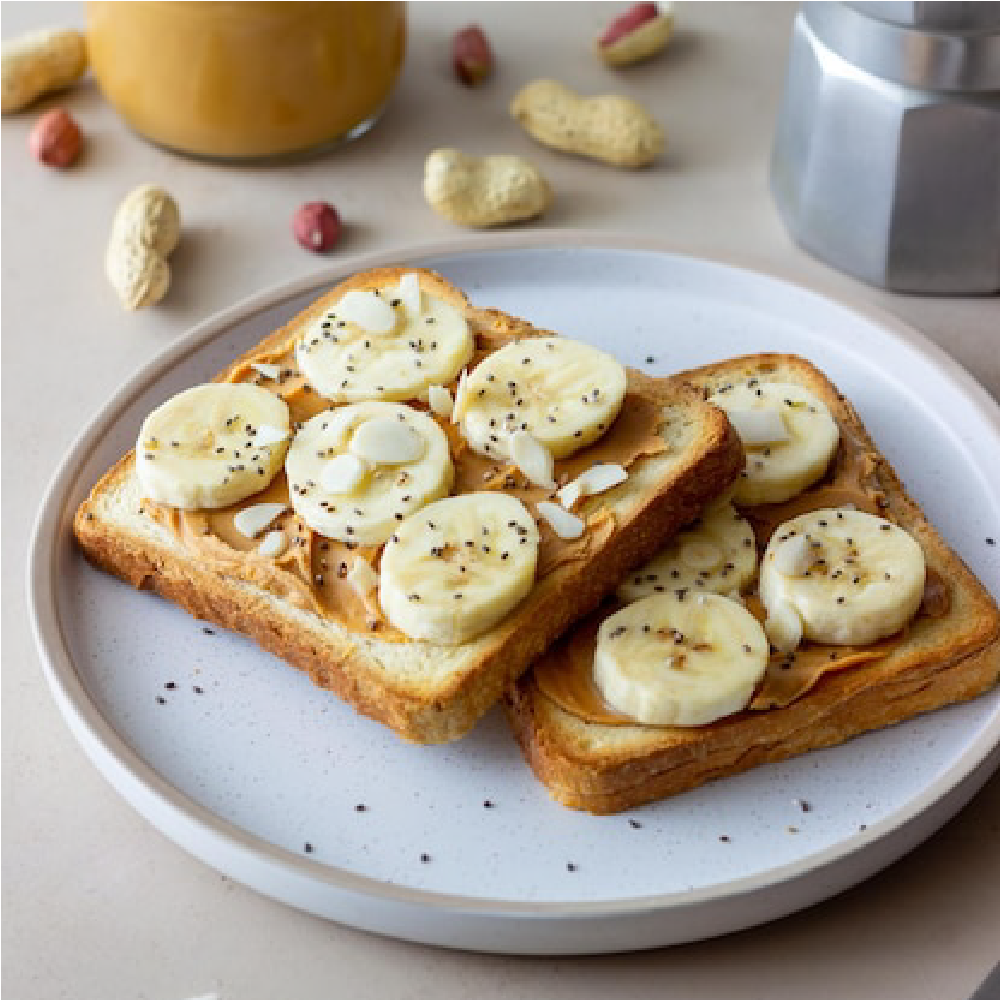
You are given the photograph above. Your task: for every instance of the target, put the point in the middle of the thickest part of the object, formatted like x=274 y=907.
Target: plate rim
x=117 y=762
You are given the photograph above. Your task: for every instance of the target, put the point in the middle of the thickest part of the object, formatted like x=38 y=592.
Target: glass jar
x=246 y=80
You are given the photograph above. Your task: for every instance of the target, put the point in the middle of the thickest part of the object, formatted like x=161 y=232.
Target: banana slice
x=716 y=555
x=564 y=393
x=455 y=569
x=788 y=434
x=355 y=472
x=848 y=577
x=212 y=445
x=680 y=659
x=392 y=344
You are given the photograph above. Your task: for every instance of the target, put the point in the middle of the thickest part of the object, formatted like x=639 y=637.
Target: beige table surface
x=96 y=904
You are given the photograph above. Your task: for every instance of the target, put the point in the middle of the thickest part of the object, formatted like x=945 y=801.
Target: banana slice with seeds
x=391 y=343
x=212 y=445
x=680 y=659
x=563 y=393
x=355 y=472
x=459 y=566
x=839 y=576
x=788 y=433
x=716 y=555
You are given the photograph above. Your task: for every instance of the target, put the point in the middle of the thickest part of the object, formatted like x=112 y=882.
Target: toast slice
x=948 y=653
x=427 y=692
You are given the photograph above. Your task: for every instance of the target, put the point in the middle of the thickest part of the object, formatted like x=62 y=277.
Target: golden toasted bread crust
x=603 y=769
x=351 y=666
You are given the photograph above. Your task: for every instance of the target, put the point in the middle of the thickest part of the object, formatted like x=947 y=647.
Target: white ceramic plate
x=241 y=761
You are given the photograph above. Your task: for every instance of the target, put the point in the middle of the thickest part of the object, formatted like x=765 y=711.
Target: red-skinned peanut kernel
x=55 y=139
x=633 y=18
x=316 y=226
x=472 y=55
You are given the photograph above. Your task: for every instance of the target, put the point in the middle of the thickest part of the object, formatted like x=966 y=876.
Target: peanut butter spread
x=565 y=673
x=312 y=571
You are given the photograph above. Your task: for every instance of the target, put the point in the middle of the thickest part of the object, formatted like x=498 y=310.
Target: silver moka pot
x=886 y=161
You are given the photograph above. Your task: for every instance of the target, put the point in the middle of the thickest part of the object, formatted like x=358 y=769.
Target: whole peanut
x=39 y=63
x=614 y=129
x=483 y=191
x=146 y=228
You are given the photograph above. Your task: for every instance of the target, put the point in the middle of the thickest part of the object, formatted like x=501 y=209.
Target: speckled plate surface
x=241 y=761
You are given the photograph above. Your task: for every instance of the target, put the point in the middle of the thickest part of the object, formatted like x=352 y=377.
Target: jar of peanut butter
x=239 y=81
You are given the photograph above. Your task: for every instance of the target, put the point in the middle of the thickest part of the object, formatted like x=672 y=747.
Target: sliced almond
x=596 y=479
x=599 y=478
x=784 y=628
x=268 y=371
x=793 y=556
x=409 y=292
x=273 y=544
x=566 y=525
x=384 y=441
x=570 y=493
x=441 y=402
x=366 y=310
x=756 y=427
x=251 y=521
x=362 y=578
x=461 y=397
x=266 y=434
x=343 y=474
x=533 y=459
